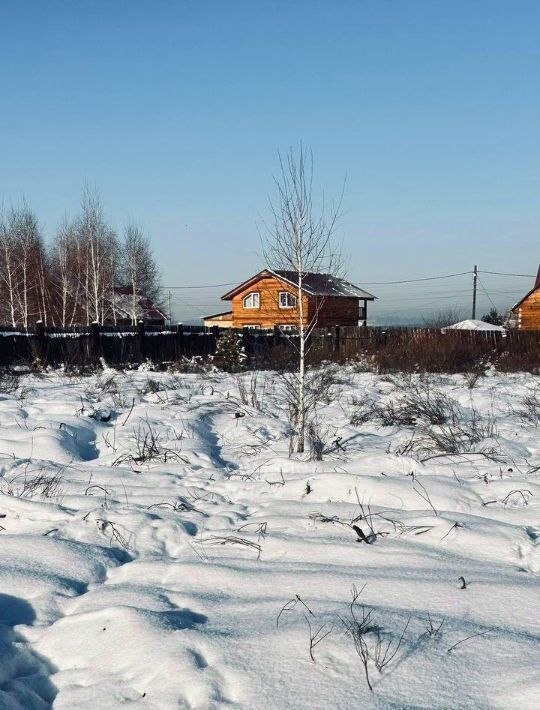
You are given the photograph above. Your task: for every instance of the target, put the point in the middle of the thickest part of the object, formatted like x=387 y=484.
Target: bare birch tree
x=300 y=239
x=66 y=274
x=138 y=270
x=8 y=274
x=99 y=245
x=23 y=268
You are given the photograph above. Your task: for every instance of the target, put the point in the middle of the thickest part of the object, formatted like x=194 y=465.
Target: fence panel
x=84 y=346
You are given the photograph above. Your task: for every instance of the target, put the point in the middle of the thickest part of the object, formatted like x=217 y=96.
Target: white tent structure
x=474 y=325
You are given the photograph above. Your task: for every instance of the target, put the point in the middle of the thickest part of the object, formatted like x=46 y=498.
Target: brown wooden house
x=270 y=298
x=526 y=313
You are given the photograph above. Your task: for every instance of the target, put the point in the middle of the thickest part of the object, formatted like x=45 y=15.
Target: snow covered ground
x=159 y=549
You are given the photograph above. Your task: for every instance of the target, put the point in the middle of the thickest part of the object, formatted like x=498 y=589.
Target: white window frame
x=287 y=327
x=288 y=296
x=253 y=326
x=253 y=296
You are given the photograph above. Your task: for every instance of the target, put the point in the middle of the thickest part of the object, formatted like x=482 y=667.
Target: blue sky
x=175 y=111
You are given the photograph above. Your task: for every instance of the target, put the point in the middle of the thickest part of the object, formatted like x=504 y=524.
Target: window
x=287 y=328
x=253 y=326
x=286 y=300
x=252 y=300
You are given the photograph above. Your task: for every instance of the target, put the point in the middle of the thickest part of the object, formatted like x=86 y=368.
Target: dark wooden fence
x=86 y=346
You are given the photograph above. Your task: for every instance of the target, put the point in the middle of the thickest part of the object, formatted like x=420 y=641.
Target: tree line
x=75 y=279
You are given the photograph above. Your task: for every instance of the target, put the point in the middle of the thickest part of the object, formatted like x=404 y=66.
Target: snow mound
x=471 y=324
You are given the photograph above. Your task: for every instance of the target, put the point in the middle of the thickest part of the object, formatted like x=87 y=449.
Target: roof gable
x=313 y=284
x=530 y=293
x=525 y=297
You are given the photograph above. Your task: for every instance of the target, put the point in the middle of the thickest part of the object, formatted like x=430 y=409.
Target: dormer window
x=286 y=300
x=252 y=300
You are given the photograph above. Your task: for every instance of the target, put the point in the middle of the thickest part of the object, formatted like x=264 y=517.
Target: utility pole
x=475 y=281
x=169 y=307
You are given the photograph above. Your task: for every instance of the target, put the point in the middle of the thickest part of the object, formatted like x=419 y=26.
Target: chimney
x=537 y=282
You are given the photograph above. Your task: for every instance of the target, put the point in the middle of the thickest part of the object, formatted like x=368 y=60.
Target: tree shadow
x=24 y=675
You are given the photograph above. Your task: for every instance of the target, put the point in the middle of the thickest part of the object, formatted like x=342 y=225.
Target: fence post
x=180 y=338
x=40 y=338
x=142 y=340
x=214 y=340
x=276 y=335
x=95 y=342
x=337 y=338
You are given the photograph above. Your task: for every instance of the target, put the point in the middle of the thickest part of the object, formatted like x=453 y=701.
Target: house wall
x=331 y=310
x=220 y=322
x=269 y=313
x=528 y=312
x=336 y=311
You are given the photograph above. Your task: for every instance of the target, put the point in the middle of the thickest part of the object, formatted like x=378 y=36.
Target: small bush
x=9 y=382
x=418 y=400
x=196 y=365
x=519 y=361
x=425 y=402
x=252 y=390
x=30 y=484
x=529 y=411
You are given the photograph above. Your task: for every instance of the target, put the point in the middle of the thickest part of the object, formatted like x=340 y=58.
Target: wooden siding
x=269 y=313
x=331 y=310
x=528 y=312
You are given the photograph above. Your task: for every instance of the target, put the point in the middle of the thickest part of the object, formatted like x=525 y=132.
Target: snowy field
x=160 y=549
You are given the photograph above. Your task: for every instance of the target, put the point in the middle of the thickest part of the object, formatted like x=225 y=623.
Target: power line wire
x=232 y=283
x=410 y=281
x=500 y=273
x=373 y=283
x=367 y=283
x=487 y=294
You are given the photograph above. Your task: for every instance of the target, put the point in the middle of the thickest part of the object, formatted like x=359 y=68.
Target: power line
x=500 y=273
x=487 y=294
x=367 y=283
x=232 y=283
x=411 y=281
x=373 y=283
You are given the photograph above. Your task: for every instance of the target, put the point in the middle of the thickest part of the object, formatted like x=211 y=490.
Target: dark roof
x=313 y=284
x=146 y=309
x=533 y=289
x=325 y=285
x=217 y=315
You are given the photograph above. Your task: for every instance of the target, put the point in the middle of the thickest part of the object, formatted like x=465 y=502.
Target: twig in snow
x=129 y=413
x=260 y=529
x=431 y=629
x=425 y=496
x=455 y=525
x=116 y=535
x=101 y=488
x=231 y=540
x=290 y=605
x=482 y=633
x=317 y=636
x=521 y=492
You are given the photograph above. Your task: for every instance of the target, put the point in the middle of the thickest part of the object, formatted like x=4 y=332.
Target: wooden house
x=526 y=313
x=270 y=298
